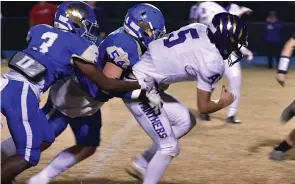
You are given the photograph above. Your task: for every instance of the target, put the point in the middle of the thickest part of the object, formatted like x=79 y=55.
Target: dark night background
x=15 y=25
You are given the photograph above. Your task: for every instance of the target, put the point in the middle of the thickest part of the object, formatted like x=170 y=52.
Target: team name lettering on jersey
x=156 y=122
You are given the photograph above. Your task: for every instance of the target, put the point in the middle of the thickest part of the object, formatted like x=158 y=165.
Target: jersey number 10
x=181 y=37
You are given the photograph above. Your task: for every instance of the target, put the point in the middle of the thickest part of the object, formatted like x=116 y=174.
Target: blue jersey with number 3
x=118 y=47
x=54 y=49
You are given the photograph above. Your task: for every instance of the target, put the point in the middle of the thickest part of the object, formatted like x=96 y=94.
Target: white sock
x=144 y=159
x=60 y=163
x=231 y=111
x=7 y=148
x=156 y=168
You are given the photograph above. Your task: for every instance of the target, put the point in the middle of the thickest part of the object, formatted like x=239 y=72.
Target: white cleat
x=38 y=180
x=136 y=171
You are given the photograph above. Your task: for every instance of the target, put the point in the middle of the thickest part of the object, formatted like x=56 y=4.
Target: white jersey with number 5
x=185 y=55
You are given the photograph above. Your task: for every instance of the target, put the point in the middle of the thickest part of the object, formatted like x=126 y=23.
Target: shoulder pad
x=90 y=55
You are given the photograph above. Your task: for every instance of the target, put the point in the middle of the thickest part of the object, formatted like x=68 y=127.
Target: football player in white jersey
x=192 y=53
x=278 y=152
x=205 y=12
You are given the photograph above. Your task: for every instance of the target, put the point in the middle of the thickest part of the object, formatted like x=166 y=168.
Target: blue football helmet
x=229 y=34
x=77 y=17
x=145 y=22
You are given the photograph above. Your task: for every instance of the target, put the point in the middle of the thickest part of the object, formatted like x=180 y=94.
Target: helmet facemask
x=78 y=18
x=150 y=33
x=91 y=32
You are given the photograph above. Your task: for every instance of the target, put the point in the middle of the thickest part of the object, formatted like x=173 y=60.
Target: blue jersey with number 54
x=54 y=49
x=119 y=48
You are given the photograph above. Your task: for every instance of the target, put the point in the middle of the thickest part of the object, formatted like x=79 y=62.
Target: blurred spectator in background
x=273 y=28
x=101 y=19
x=193 y=15
x=42 y=13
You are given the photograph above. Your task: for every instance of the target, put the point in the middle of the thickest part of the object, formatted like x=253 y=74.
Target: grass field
x=212 y=153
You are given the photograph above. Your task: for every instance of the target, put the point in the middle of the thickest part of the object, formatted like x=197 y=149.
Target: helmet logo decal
x=235 y=26
x=75 y=13
x=221 y=25
x=241 y=33
x=229 y=25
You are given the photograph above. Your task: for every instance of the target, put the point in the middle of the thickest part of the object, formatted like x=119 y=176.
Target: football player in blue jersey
x=118 y=53
x=52 y=54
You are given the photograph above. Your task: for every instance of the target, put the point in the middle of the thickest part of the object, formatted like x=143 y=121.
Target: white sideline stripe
x=28 y=129
x=103 y=156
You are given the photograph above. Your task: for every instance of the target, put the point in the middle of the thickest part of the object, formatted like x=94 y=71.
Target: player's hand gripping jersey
x=185 y=55
x=79 y=96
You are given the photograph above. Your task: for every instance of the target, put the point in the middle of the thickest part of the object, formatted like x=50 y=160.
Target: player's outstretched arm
x=207 y=106
x=284 y=61
x=105 y=83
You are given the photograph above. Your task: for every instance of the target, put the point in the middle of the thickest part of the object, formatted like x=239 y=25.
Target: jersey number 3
x=170 y=42
x=51 y=37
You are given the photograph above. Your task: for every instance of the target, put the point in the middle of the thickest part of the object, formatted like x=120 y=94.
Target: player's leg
x=269 y=55
x=182 y=121
x=234 y=76
x=278 y=152
x=56 y=121
x=25 y=123
x=159 y=129
x=87 y=134
x=288 y=113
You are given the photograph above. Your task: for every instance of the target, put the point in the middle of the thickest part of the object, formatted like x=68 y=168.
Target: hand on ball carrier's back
x=226 y=97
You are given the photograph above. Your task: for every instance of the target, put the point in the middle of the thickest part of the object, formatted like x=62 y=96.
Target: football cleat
x=233 y=120
x=277 y=155
x=136 y=171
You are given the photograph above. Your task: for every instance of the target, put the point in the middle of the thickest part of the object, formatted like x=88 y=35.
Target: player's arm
x=284 y=60
x=120 y=57
x=204 y=88
x=101 y=80
x=207 y=106
x=114 y=71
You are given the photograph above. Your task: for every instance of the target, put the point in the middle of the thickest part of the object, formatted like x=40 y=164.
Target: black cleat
x=233 y=120
x=205 y=117
x=288 y=113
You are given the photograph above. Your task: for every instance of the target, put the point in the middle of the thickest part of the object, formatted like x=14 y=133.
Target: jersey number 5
x=51 y=37
x=170 y=42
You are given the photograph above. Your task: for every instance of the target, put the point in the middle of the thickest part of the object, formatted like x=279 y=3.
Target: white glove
x=155 y=101
x=147 y=84
x=152 y=93
x=246 y=52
